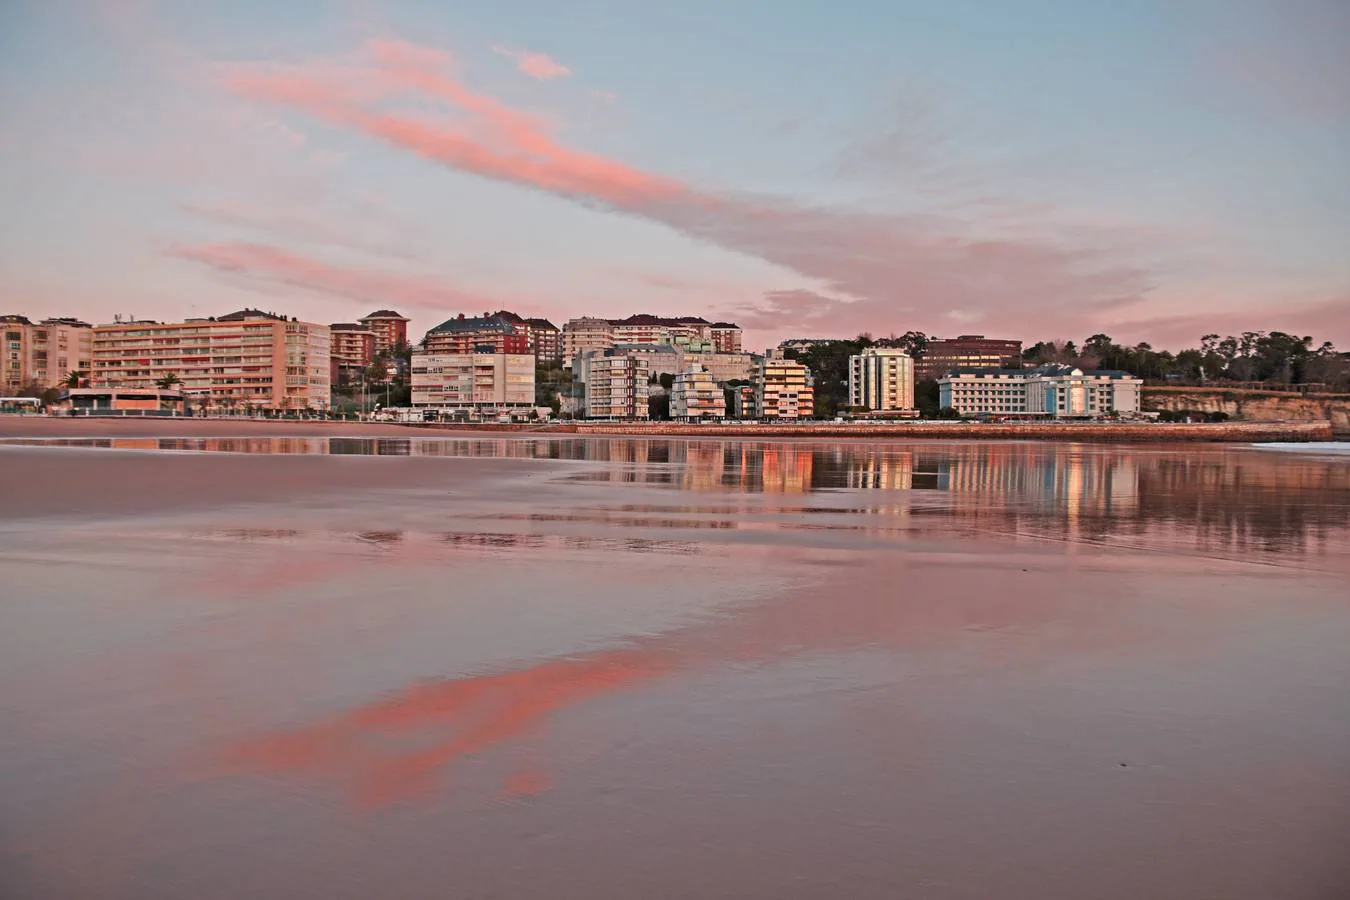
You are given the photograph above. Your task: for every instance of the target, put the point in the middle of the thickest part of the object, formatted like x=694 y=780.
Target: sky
x=1035 y=169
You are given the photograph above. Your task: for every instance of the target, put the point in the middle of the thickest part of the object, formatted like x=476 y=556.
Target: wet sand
x=593 y=669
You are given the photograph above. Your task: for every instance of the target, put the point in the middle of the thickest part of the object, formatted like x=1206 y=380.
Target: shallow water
x=675 y=668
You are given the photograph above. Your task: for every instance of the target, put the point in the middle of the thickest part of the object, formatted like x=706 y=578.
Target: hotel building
x=881 y=380
x=247 y=359
x=473 y=384
x=783 y=390
x=43 y=354
x=1055 y=392
x=696 y=395
x=969 y=351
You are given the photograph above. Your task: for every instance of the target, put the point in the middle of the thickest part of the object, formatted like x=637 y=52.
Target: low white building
x=1054 y=392
x=881 y=379
x=696 y=395
x=473 y=384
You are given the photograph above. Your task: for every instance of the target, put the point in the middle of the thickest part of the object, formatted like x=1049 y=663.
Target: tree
x=667 y=380
x=168 y=381
x=75 y=379
x=927 y=394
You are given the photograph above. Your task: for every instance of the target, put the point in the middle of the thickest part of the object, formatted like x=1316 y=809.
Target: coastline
x=1093 y=432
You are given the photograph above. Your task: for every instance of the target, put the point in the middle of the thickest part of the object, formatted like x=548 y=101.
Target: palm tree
x=168 y=382
x=75 y=379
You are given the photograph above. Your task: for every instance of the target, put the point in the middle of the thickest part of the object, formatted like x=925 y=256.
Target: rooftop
x=249 y=313
x=476 y=323
x=384 y=314
x=349 y=326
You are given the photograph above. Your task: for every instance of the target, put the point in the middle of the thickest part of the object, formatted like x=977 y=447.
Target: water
x=606 y=668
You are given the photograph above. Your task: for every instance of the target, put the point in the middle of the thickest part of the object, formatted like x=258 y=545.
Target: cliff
x=1254 y=406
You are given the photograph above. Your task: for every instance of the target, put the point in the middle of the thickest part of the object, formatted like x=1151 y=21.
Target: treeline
x=1273 y=358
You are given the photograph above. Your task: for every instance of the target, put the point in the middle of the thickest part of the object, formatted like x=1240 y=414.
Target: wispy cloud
x=888 y=265
x=539 y=66
x=265 y=264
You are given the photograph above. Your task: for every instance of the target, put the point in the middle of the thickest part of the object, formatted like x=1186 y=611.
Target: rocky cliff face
x=1254 y=406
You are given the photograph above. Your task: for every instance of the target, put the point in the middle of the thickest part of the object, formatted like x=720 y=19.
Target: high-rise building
x=584 y=335
x=881 y=379
x=614 y=385
x=1055 y=392
x=43 y=354
x=542 y=337
x=478 y=334
x=696 y=395
x=969 y=351
x=473 y=384
x=247 y=359
x=390 y=328
x=783 y=390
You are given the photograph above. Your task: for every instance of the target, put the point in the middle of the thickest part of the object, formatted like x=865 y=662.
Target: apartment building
x=43 y=354
x=1055 y=392
x=726 y=337
x=585 y=335
x=696 y=396
x=542 y=337
x=742 y=402
x=477 y=334
x=390 y=329
x=614 y=385
x=881 y=379
x=473 y=384
x=783 y=390
x=247 y=359
x=969 y=351
x=352 y=349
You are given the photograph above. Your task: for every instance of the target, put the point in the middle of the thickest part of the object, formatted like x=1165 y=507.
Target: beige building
x=696 y=395
x=728 y=366
x=783 y=390
x=475 y=384
x=615 y=387
x=245 y=360
x=42 y=354
x=881 y=379
x=585 y=335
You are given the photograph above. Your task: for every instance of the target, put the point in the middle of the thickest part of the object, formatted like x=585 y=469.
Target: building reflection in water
x=1212 y=498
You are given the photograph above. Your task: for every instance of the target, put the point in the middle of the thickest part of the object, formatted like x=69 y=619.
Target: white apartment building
x=783 y=390
x=474 y=384
x=881 y=379
x=245 y=360
x=696 y=395
x=1056 y=392
x=615 y=387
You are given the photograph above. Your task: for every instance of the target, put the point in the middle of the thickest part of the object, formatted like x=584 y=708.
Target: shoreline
x=1306 y=431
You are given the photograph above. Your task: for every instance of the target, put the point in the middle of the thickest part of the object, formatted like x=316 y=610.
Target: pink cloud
x=264 y=263
x=892 y=269
x=539 y=66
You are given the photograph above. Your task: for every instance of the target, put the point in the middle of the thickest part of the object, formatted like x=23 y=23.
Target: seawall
x=1229 y=432
x=1253 y=405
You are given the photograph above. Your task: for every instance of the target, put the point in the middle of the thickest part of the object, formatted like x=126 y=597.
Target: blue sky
x=1037 y=169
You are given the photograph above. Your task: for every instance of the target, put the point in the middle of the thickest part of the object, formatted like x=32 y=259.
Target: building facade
x=726 y=337
x=390 y=329
x=245 y=360
x=783 y=390
x=476 y=385
x=969 y=351
x=1053 y=392
x=614 y=386
x=352 y=349
x=477 y=334
x=43 y=354
x=696 y=396
x=585 y=335
x=881 y=380
x=729 y=366
x=542 y=337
